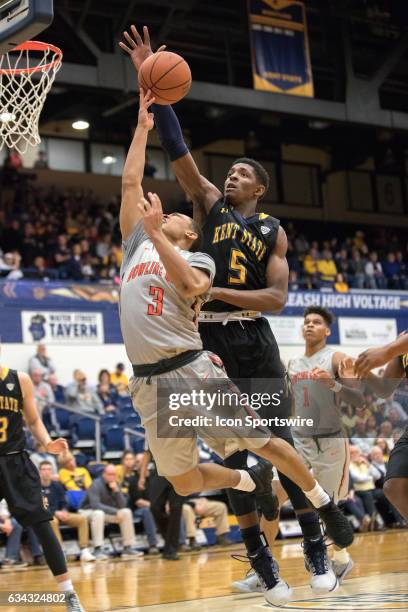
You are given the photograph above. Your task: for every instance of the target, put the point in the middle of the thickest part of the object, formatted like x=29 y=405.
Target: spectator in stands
x=364 y=475
x=41 y=161
x=40 y=361
x=326 y=268
x=10 y=266
x=294 y=284
x=360 y=437
x=403 y=271
x=105 y=494
x=371 y=427
x=310 y=269
x=40 y=455
x=39 y=270
x=57 y=389
x=104 y=378
x=374 y=275
x=118 y=376
x=357 y=270
x=125 y=470
x=80 y=395
x=13 y=532
x=390 y=515
x=139 y=503
x=349 y=419
x=354 y=506
x=73 y=266
x=391 y=405
x=42 y=390
x=72 y=477
x=392 y=268
x=340 y=285
x=205 y=508
x=382 y=443
x=385 y=432
x=342 y=262
x=54 y=493
x=75 y=478
x=62 y=255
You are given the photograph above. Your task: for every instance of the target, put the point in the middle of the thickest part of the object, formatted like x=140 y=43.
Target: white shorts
x=176 y=456
x=329 y=460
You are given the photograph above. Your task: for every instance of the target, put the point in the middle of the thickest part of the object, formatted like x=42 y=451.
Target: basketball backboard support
x=22 y=20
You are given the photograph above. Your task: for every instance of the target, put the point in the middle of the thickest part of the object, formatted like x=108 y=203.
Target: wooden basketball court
x=201 y=582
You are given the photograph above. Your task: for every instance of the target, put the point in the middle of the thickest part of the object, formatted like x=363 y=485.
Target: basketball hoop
x=26 y=76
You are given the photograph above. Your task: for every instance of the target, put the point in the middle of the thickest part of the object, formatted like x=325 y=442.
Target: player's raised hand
x=152 y=212
x=137 y=48
x=370 y=359
x=145 y=119
x=346 y=368
x=57 y=446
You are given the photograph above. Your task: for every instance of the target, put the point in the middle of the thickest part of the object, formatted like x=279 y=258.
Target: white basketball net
x=23 y=92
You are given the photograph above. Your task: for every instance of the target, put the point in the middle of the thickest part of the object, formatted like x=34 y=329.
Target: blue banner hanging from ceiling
x=280 y=47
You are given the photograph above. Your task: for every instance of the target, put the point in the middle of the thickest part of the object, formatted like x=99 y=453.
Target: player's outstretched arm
x=189 y=281
x=273 y=297
x=348 y=387
x=132 y=191
x=379 y=356
x=201 y=191
x=33 y=420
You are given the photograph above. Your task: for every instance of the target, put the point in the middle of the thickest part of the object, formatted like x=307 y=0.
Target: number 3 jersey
x=240 y=247
x=156 y=321
x=12 y=438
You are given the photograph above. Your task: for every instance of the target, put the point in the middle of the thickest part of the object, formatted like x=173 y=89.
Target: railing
x=97 y=418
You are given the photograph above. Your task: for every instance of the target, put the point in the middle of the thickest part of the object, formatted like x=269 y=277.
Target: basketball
x=167 y=75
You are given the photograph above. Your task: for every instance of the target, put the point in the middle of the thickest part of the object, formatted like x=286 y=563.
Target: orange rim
x=35 y=45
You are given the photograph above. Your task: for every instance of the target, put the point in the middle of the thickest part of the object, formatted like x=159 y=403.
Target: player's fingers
x=146 y=35
x=162 y=48
x=125 y=48
x=130 y=40
x=136 y=35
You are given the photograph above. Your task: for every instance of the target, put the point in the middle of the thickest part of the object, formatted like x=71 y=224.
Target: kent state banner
x=279 y=47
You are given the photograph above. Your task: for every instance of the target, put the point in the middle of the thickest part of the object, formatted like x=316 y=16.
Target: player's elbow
x=277 y=302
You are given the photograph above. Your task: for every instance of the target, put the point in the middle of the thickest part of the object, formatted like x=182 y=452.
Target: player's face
x=241 y=184
x=315 y=329
x=176 y=225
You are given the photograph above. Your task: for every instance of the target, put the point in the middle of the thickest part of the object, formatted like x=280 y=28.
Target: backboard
x=22 y=20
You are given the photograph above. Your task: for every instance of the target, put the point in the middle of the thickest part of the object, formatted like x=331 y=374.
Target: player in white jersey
x=163 y=285
x=316 y=393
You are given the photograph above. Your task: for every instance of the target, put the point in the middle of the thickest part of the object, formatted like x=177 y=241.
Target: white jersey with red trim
x=156 y=321
x=313 y=399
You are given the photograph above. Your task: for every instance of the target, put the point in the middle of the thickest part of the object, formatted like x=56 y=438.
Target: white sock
x=341 y=556
x=246 y=483
x=317 y=496
x=66 y=585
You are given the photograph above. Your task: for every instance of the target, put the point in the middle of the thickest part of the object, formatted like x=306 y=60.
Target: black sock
x=310 y=525
x=52 y=548
x=252 y=538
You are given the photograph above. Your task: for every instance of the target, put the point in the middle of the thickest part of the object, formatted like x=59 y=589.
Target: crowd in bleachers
x=87 y=496
x=59 y=235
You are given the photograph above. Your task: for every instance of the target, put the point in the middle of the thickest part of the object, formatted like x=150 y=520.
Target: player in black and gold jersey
x=395 y=356
x=20 y=482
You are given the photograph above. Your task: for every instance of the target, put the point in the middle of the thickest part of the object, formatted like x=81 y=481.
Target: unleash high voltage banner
x=279 y=47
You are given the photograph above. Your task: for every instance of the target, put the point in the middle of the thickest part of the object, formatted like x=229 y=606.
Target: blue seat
x=109 y=420
x=84 y=433
x=132 y=421
x=137 y=444
x=95 y=468
x=113 y=440
x=124 y=402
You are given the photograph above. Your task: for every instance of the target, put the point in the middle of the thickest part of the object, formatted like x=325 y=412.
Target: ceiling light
x=109 y=160
x=80 y=124
x=7 y=117
x=317 y=124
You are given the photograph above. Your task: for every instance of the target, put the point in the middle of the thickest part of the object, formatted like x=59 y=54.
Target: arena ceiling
x=213 y=37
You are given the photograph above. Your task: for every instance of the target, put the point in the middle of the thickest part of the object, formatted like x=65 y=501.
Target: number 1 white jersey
x=156 y=321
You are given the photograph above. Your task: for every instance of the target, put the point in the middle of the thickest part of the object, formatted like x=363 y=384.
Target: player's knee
x=392 y=490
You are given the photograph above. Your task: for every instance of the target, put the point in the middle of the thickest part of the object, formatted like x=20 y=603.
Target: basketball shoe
x=276 y=591
x=317 y=563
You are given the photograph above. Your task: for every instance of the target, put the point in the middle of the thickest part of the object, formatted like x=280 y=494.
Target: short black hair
x=325 y=313
x=260 y=172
